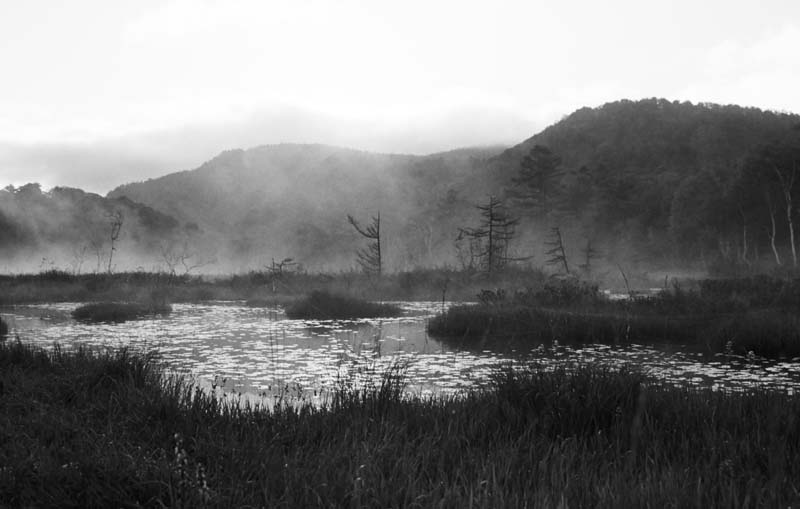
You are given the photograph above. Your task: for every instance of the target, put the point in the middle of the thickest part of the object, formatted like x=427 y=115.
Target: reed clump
x=756 y=315
x=322 y=305
x=118 y=312
x=112 y=429
x=418 y=284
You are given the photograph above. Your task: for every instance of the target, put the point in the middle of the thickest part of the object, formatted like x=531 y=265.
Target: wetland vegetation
x=257 y=287
x=322 y=305
x=114 y=428
x=530 y=232
x=119 y=311
x=757 y=315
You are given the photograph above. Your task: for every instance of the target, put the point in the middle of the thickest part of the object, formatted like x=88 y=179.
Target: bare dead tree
x=743 y=258
x=180 y=254
x=489 y=242
x=278 y=269
x=589 y=254
x=773 y=230
x=370 y=259
x=78 y=257
x=115 y=221
x=97 y=248
x=787 y=181
x=557 y=252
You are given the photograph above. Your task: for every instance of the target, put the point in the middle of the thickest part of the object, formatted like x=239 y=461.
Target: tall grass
x=112 y=429
x=119 y=311
x=321 y=305
x=264 y=286
x=743 y=316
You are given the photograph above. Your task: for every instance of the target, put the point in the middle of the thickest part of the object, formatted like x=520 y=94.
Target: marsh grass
x=322 y=305
x=418 y=284
x=117 y=312
x=758 y=315
x=106 y=429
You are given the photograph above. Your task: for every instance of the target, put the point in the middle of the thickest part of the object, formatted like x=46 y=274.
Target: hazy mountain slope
x=70 y=229
x=629 y=134
x=629 y=168
x=640 y=180
x=292 y=201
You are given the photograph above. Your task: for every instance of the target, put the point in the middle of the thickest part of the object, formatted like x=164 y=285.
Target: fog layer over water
x=258 y=351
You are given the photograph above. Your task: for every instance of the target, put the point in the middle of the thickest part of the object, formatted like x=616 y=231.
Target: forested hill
x=663 y=181
x=644 y=184
x=69 y=229
x=292 y=201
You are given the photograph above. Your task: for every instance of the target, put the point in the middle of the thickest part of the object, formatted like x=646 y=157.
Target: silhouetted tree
x=536 y=183
x=557 y=252
x=589 y=254
x=489 y=242
x=784 y=165
x=370 y=259
x=115 y=220
x=773 y=172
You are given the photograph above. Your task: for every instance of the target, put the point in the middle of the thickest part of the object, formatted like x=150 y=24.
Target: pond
x=259 y=353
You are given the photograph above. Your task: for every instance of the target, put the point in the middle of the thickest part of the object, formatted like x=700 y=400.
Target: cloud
x=764 y=73
x=102 y=165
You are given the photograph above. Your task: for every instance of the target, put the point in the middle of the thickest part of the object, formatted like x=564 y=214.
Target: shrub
x=114 y=429
x=561 y=293
x=119 y=311
x=3 y=329
x=322 y=305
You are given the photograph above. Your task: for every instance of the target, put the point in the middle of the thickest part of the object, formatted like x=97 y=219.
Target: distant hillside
x=70 y=229
x=290 y=200
x=633 y=183
x=661 y=180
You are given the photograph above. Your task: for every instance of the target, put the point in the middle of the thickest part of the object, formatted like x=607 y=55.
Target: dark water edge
x=259 y=353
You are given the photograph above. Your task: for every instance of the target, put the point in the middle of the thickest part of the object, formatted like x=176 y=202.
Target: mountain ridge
x=627 y=176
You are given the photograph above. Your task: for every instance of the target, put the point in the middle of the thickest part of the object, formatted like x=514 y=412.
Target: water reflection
x=233 y=348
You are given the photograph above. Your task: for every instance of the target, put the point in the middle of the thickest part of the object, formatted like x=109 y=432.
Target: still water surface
x=258 y=351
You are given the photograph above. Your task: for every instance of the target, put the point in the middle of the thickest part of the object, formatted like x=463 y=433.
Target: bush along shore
x=257 y=287
x=321 y=305
x=90 y=429
x=758 y=315
x=120 y=311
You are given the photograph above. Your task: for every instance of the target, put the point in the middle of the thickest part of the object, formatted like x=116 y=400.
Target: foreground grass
x=101 y=430
x=321 y=305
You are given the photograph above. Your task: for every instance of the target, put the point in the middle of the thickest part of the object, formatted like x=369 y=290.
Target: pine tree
x=489 y=242
x=536 y=185
x=557 y=252
x=370 y=259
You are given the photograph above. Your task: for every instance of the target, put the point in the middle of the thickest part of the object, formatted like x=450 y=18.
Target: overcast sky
x=94 y=93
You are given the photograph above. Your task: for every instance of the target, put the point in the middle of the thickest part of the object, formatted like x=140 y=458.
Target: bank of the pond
x=767 y=333
x=112 y=429
x=257 y=287
x=756 y=316
x=118 y=312
x=321 y=305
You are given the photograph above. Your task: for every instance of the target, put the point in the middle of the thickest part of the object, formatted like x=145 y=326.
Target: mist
x=103 y=164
